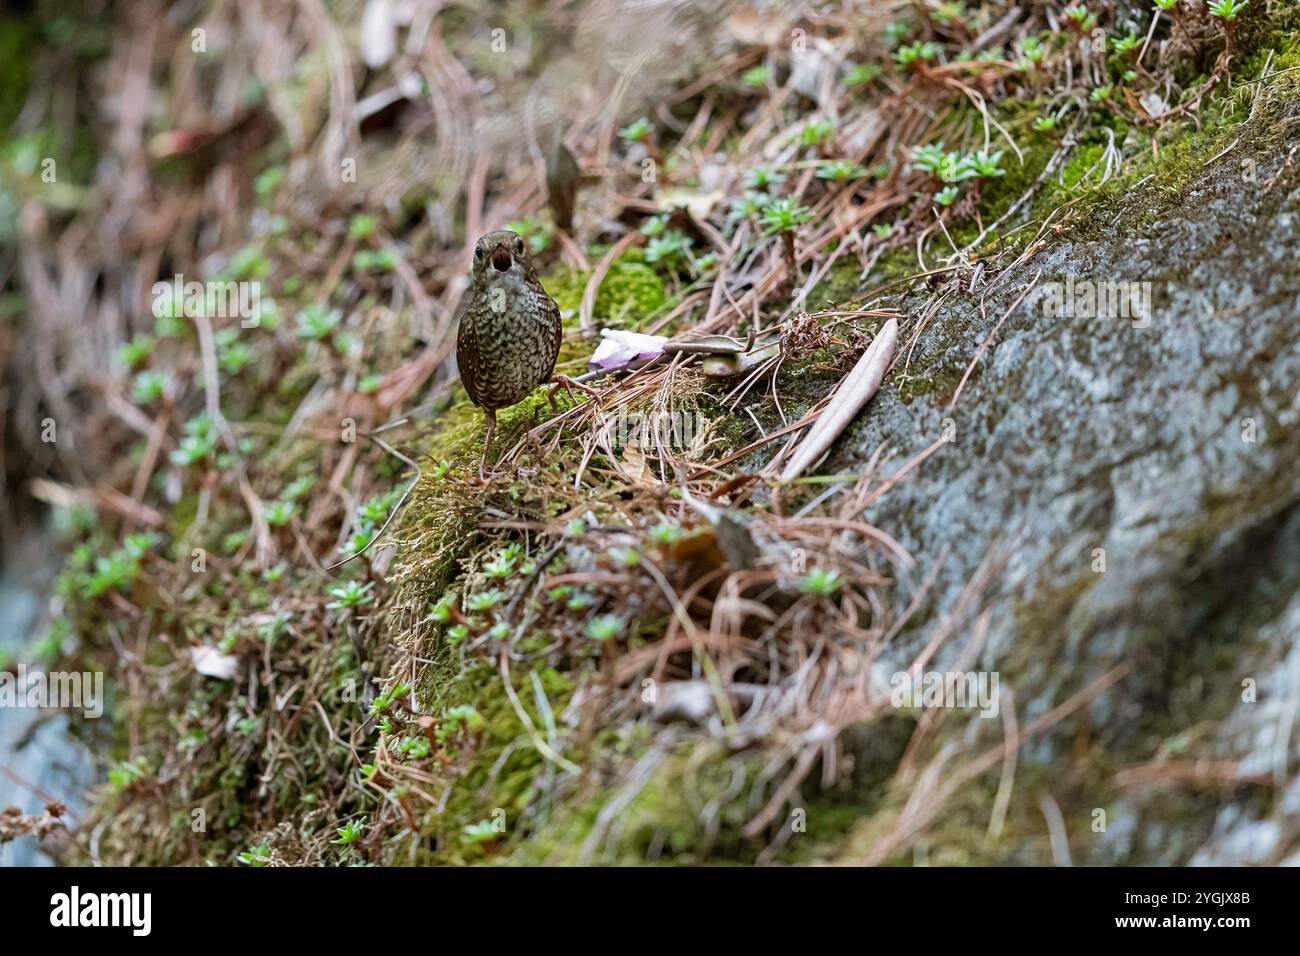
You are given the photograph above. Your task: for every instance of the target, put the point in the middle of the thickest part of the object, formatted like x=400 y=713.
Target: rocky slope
x=1141 y=477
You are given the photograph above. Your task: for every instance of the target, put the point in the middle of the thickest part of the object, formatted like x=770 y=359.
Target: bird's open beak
x=501 y=259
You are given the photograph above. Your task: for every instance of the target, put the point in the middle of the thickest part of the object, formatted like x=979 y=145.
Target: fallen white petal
x=619 y=348
x=210 y=662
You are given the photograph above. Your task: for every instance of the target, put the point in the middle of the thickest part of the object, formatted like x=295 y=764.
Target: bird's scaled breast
x=517 y=333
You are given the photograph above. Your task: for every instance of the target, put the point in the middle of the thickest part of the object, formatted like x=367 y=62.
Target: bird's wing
x=467 y=352
x=557 y=323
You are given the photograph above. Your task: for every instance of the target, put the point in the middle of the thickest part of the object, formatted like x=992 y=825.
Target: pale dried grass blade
x=854 y=392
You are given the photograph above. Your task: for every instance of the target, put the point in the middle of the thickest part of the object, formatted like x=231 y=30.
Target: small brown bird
x=510 y=330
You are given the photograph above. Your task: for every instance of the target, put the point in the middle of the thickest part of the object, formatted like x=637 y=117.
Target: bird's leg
x=490 y=416
x=569 y=384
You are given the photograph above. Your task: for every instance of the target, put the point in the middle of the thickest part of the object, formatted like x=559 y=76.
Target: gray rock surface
x=1174 y=446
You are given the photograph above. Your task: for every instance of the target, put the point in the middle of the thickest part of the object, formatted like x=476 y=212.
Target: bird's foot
x=569 y=384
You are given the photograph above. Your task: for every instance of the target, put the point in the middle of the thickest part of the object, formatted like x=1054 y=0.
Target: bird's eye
x=478 y=255
x=519 y=246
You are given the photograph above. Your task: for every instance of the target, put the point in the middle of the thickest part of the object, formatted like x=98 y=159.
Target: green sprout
x=896 y=31
x=784 y=215
x=362 y=226
x=820 y=582
x=271 y=630
x=278 y=513
x=416 y=748
x=815 y=134
x=248 y=725
x=929 y=157
x=625 y=556
x=1045 y=124
x=268 y=314
x=955 y=168
x=948 y=12
x=371 y=260
x=1080 y=19
x=1227 y=9
x=673 y=244
x=986 y=165
x=125 y=774
x=761 y=177
x=665 y=533
x=350 y=832
x=862 y=74
x=357 y=542
x=267 y=180
x=249 y=262
x=579 y=601
x=259 y=855
x=883 y=230
x=441 y=612
x=486 y=600
x=315 y=322
x=353 y=594
x=467 y=716
x=298 y=487
x=148 y=386
x=841 y=171
x=945 y=196
x=198 y=442
x=755 y=76
x=655 y=225
x=1031 y=53
x=605 y=627
x=134 y=353
x=388 y=698
x=140 y=543
x=1125 y=45
x=233 y=356
x=917 y=53
x=481 y=832
x=747 y=206
x=1166 y=5
x=635 y=132
x=502 y=567
x=114 y=572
